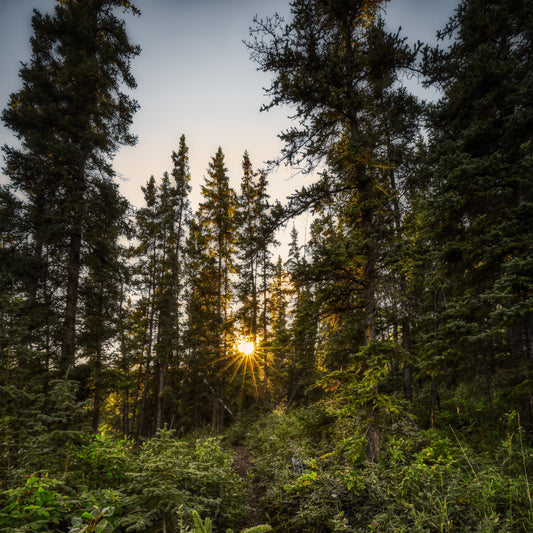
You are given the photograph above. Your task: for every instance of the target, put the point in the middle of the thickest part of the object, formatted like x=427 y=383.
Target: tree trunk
x=369 y=309
x=407 y=369
x=265 y=325
x=218 y=414
x=147 y=370
x=435 y=401
x=124 y=366
x=161 y=387
x=369 y=296
x=162 y=347
x=97 y=401
x=521 y=348
x=68 y=346
x=145 y=384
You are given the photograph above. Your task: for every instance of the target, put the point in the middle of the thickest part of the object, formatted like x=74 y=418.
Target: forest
x=165 y=369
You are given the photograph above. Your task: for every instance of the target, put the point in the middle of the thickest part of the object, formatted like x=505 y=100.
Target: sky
x=195 y=78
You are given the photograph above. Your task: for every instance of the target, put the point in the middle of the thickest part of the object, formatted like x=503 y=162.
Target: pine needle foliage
x=171 y=477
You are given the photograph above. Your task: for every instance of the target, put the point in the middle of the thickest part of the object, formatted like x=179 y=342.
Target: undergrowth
x=425 y=481
x=307 y=474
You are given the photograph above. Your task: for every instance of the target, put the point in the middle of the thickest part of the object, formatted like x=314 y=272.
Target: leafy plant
x=102 y=460
x=93 y=522
x=207 y=526
x=170 y=477
x=35 y=506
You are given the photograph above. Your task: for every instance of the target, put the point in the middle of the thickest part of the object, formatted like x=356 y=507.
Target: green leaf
x=103 y=525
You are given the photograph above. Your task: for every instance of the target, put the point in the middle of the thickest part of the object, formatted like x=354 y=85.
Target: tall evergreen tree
x=480 y=210
x=161 y=226
x=279 y=341
x=175 y=207
x=71 y=116
x=101 y=293
x=216 y=214
x=254 y=240
x=146 y=277
x=303 y=327
x=248 y=246
x=201 y=334
x=338 y=67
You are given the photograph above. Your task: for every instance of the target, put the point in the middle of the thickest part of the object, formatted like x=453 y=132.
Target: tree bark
x=369 y=309
x=435 y=401
x=68 y=346
x=407 y=369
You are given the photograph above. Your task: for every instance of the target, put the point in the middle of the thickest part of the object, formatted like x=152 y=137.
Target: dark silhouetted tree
x=71 y=116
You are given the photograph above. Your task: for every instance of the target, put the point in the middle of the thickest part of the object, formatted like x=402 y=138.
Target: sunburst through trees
x=245 y=347
x=247 y=361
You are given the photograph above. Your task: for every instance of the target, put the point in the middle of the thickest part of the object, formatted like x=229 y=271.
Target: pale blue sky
x=195 y=77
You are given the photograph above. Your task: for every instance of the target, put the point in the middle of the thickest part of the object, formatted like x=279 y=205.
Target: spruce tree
x=71 y=117
x=216 y=214
x=303 y=326
x=340 y=70
x=161 y=231
x=247 y=243
x=101 y=293
x=146 y=277
x=175 y=211
x=200 y=337
x=279 y=341
x=479 y=213
x=254 y=240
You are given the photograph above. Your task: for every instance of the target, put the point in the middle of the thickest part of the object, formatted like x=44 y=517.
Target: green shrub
x=443 y=485
x=425 y=481
x=170 y=477
x=94 y=521
x=38 y=505
x=101 y=461
x=44 y=504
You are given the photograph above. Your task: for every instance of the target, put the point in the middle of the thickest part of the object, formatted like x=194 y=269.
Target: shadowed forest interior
x=166 y=368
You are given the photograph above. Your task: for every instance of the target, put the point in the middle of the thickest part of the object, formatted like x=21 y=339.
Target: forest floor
x=243 y=463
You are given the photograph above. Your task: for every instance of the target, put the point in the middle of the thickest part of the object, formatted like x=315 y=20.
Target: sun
x=248 y=359
x=245 y=347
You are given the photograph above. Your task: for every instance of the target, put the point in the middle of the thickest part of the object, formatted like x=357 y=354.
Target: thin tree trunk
x=149 y=340
x=136 y=399
x=405 y=324
x=161 y=387
x=369 y=313
x=265 y=325
x=373 y=433
x=68 y=346
x=97 y=401
x=146 y=371
x=124 y=365
x=435 y=401
x=162 y=349
x=407 y=369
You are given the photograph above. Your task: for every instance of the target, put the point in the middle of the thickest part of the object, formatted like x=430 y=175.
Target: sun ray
x=253 y=378
x=236 y=360
x=238 y=365
x=250 y=359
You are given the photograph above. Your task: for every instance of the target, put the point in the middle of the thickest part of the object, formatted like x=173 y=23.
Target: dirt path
x=243 y=462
